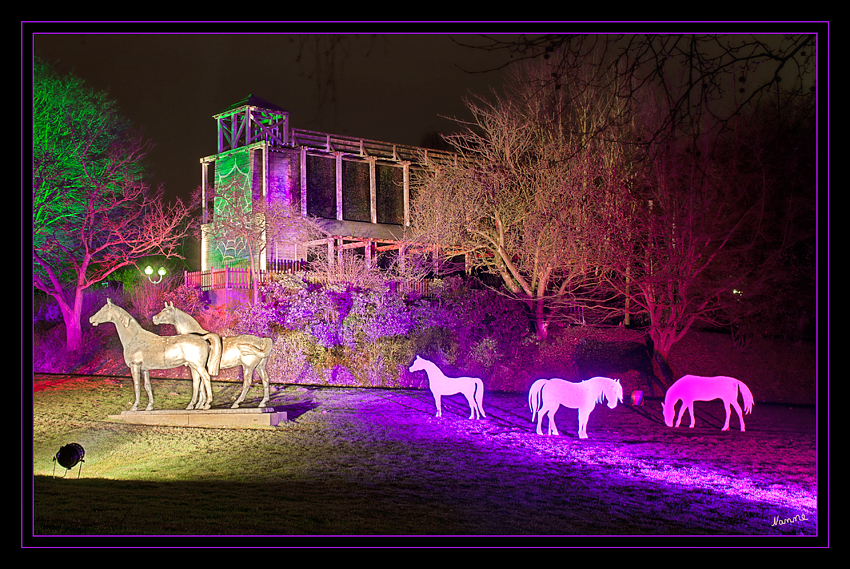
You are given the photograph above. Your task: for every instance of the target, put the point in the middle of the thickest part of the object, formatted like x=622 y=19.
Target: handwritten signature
x=777 y=521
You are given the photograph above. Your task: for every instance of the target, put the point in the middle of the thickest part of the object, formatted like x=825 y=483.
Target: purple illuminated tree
x=93 y=212
x=713 y=214
x=671 y=122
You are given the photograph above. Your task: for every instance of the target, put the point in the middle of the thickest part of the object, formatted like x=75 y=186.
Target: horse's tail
x=214 y=360
x=260 y=347
x=534 y=400
x=747 y=395
x=267 y=347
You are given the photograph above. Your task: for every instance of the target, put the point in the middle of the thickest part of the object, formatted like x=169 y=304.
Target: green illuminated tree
x=93 y=212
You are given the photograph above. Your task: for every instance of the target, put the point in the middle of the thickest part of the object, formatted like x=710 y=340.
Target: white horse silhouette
x=471 y=387
x=690 y=388
x=547 y=395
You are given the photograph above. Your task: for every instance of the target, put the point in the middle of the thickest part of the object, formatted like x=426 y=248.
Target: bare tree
x=694 y=75
x=707 y=222
x=528 y=200
x=703 y=213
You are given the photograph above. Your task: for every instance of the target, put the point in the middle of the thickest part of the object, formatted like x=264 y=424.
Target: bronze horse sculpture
x=250 y=352
x=144 y=351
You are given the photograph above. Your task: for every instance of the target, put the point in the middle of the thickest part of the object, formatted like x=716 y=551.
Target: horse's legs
x=247 y=376
x=690 y=409
x=740 y=413
x=134 y=371
x=148 y=389
x=553 y=428
x=479 y=400
x=261 y=371
x=438 y=403
x=196 y=379
x=207 y=384
x=583 y=416
x=686 y=406
x=201 y=387
x=540 y=413
x=473 y=408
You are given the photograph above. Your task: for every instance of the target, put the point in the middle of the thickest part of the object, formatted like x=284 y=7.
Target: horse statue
x=547 y=395
x=471 y=387
x=144 y=351
x=251 y=352
x=690 y=388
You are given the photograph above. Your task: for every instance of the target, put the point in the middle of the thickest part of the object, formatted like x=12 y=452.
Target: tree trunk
x=662 y=342
x=71 y=316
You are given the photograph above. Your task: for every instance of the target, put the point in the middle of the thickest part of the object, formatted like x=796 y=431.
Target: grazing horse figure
x=471 y=387
x=251 y=352
x=144 y=351
x=547 y=395
x=690 y=388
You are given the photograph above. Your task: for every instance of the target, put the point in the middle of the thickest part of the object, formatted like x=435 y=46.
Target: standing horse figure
x=251 y=352
x=547 y=395
x=144 y=351
x=471 y=387
x=690 y=388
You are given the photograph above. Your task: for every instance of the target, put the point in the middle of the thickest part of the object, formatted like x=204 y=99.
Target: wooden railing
x=240 y=279
x=373 y=148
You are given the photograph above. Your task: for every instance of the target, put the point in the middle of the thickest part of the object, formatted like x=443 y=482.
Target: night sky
x=387 y=87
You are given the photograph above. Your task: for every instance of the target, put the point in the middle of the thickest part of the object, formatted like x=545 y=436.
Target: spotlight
x=637 y=398
x=68 y=457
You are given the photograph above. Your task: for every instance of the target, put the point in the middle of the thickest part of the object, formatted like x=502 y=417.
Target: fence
x=230 y=278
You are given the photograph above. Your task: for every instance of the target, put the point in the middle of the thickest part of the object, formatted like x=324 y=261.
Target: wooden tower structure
x=358 y=188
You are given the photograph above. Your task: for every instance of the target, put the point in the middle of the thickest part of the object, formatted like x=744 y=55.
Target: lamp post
x=149 y=272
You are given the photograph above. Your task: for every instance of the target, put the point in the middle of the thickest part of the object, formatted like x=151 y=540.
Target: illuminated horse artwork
x=144 y=351
x=471 y=387
x=547 y=395
x=251 y=352
x=690 y=388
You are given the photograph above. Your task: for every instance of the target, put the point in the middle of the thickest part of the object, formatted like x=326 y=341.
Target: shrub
x=343 y=334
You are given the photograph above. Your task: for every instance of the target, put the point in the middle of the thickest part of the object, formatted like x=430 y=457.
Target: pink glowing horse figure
x=692 y=388
x=471 y=387
x=547 y=395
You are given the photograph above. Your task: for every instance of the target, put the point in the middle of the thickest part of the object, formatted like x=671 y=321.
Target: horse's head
x=418 y=364
x=669 y=411
x=166 y=316
x=112 y=313
x=614 y=393
x=105 y=314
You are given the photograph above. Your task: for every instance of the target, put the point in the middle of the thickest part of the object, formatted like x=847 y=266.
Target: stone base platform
x=248 y=417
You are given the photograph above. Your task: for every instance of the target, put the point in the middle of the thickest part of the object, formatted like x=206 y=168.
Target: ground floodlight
x=637 y=398
x=68 y=457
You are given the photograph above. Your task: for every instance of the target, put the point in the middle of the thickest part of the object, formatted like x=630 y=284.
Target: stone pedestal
x=250 y=417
